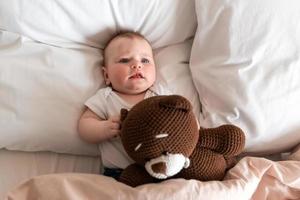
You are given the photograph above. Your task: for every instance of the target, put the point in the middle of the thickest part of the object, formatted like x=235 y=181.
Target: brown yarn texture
x=208 y=149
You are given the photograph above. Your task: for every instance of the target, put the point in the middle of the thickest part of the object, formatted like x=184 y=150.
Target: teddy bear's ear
x=124 y=113
x=177 y=102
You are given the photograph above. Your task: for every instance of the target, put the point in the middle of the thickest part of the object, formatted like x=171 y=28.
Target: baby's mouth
x=136 y=76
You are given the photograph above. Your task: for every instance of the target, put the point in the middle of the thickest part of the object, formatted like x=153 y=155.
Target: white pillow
x=67 y=23
x=246 y=67
x=42 y=90
x=44 y=87
x=173 y=70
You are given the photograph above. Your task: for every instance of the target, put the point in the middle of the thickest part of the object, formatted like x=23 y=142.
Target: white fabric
x=16 y=167
x=42 y=93
x=245 y=65
x=92 y=22
x=49 y=66
x=106 y=103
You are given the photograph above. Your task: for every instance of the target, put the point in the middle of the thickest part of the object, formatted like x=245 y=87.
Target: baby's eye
x=124 y=60
x=145 y=60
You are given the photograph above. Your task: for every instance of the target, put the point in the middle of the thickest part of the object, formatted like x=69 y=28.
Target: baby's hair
x=123 y=34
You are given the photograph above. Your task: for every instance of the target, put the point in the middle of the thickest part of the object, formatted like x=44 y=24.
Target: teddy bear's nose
x=159 y=168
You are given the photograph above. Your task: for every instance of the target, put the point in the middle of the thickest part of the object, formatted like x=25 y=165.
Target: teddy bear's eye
x=162 y=135
x=138 y=146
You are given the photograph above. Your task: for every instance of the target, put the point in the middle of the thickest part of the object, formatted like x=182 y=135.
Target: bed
x=236 y=61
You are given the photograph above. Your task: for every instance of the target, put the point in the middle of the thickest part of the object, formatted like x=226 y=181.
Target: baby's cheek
x=120 y=76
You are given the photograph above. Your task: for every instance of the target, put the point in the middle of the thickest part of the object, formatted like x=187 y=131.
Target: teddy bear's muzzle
x=167 y=165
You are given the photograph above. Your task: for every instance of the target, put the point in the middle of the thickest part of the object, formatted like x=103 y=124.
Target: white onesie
x=106 y=103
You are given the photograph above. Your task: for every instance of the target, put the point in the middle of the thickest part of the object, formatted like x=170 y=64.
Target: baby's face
x=130 y=67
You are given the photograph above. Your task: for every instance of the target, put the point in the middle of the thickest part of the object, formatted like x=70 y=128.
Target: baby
x=129 y=73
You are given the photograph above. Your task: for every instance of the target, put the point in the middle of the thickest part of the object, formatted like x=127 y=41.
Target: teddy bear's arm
x=228 y=140
x=135 y=175
x=205 y=165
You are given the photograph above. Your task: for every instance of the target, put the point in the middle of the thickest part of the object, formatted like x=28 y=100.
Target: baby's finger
x=115 y=118
x=115 y=132
x=115 y=126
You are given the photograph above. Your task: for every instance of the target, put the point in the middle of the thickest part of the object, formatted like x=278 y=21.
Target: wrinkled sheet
x=251 y=178
x=18 y=166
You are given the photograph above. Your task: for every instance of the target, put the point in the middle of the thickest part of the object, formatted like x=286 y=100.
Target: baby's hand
x=113 y=126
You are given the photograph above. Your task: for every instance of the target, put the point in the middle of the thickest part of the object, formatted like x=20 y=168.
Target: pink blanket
x=251 y=178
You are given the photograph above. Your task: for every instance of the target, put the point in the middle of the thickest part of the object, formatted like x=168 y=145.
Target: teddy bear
x=162 y=136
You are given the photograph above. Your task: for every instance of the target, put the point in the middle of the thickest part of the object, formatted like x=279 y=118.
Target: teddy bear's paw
x=135 y=175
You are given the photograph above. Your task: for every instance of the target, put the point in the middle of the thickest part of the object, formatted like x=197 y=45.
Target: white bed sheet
x=17 y=166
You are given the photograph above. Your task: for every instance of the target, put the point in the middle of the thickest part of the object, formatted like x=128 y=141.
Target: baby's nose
x=136 y=66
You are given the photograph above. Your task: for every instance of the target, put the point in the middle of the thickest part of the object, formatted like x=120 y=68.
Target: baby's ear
x=105 y=75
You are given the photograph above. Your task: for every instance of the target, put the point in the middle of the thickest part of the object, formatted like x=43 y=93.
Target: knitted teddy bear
x=161 y=135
